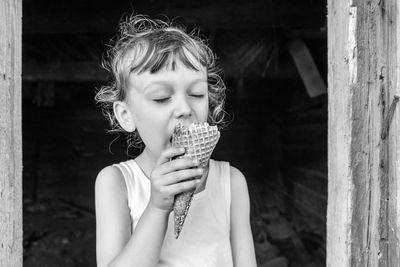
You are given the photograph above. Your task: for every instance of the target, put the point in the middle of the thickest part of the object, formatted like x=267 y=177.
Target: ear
x=124 y=116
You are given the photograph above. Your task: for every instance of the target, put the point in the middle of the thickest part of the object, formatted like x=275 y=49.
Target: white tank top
x=204 y=240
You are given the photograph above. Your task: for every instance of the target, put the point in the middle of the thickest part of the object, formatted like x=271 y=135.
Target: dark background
x=277 y=136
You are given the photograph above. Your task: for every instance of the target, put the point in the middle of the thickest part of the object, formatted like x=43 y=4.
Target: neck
x=146 y=161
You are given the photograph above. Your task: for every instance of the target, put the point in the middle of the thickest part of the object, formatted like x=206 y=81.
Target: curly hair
x=144 y=44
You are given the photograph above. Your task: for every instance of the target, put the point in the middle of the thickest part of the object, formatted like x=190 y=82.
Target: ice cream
x=199 y=141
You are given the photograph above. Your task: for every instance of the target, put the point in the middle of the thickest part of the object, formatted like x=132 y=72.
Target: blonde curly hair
x=144 y=44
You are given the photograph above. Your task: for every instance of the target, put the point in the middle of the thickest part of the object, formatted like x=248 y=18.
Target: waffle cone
x=199 y=141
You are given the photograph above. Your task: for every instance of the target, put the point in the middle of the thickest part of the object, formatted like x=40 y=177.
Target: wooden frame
x=363 y=136
x=363 y=139
x=10 y=133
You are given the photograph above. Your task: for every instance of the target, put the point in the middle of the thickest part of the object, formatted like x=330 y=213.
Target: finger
x=178 y=164
x=181 y=187
x=169 y=153
x=182 y=175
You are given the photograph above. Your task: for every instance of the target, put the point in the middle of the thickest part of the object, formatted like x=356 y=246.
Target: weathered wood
x=10 y=134
x=363 y=192
x=393 y=54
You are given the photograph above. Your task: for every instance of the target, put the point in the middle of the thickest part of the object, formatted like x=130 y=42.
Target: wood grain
x=10 y=134
x=363 y=191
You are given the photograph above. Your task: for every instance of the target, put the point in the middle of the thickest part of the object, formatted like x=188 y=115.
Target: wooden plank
x=341 y=29
x=307 y=68
x=10 y=134
x=393 y=173
x=73 y=16
x=363 y=192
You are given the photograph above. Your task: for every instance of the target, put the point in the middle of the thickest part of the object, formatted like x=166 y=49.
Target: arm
x=116 y=245
x=241 y=236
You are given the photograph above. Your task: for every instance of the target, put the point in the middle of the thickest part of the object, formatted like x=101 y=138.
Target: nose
x=183 y=108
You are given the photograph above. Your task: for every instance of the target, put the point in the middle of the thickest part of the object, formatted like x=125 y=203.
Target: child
x=163 y=76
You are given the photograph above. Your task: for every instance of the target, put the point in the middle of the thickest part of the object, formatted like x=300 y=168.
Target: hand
x=171 y=177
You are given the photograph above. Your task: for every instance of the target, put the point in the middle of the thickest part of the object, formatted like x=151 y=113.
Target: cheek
x=148 y=119
x=205 y=112
x=150 y=128
x=206 y=109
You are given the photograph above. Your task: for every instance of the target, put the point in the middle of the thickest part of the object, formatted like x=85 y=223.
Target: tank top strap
x=129 y=177
x=138 y=188
x=219 y=187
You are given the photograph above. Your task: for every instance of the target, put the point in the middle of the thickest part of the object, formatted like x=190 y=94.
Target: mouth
x=179 y=128
x=176 y=129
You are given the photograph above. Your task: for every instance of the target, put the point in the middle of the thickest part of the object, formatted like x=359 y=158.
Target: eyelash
x=197 y=96
x=163 y=100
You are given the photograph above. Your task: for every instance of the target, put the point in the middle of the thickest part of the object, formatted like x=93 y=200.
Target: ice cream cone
x=199 y=141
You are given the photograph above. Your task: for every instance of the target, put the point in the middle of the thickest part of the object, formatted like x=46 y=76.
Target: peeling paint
x=352 y=45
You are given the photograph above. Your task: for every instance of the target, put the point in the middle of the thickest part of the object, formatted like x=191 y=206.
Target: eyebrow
x=146 y=88
x=167 y=82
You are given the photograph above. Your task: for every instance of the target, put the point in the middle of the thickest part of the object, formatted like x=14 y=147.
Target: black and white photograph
x=207 y=133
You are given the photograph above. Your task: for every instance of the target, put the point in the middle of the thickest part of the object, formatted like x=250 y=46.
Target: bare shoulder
x=238 y=181
x=109 y=173
x=113 y=225
x=240 y=201
x=110 y=181
x=241 y=236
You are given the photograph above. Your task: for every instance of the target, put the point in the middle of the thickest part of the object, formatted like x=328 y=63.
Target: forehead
x=177 y=77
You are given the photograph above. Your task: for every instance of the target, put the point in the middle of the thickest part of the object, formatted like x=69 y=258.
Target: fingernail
x=196 y=162
x=182 y=149
x=200 y=170
x=198 y=180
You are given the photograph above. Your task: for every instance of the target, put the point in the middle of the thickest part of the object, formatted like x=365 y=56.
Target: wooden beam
x=57 y=16
x=305 y=64
x=68 y=71
x=393 y=141
x=363 y=140
x=10 y=133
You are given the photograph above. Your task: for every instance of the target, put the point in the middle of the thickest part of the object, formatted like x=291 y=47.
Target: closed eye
x=162 y=100
x=197 y=95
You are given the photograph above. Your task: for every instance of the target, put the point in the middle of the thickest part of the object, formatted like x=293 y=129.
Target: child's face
x=159 y=101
